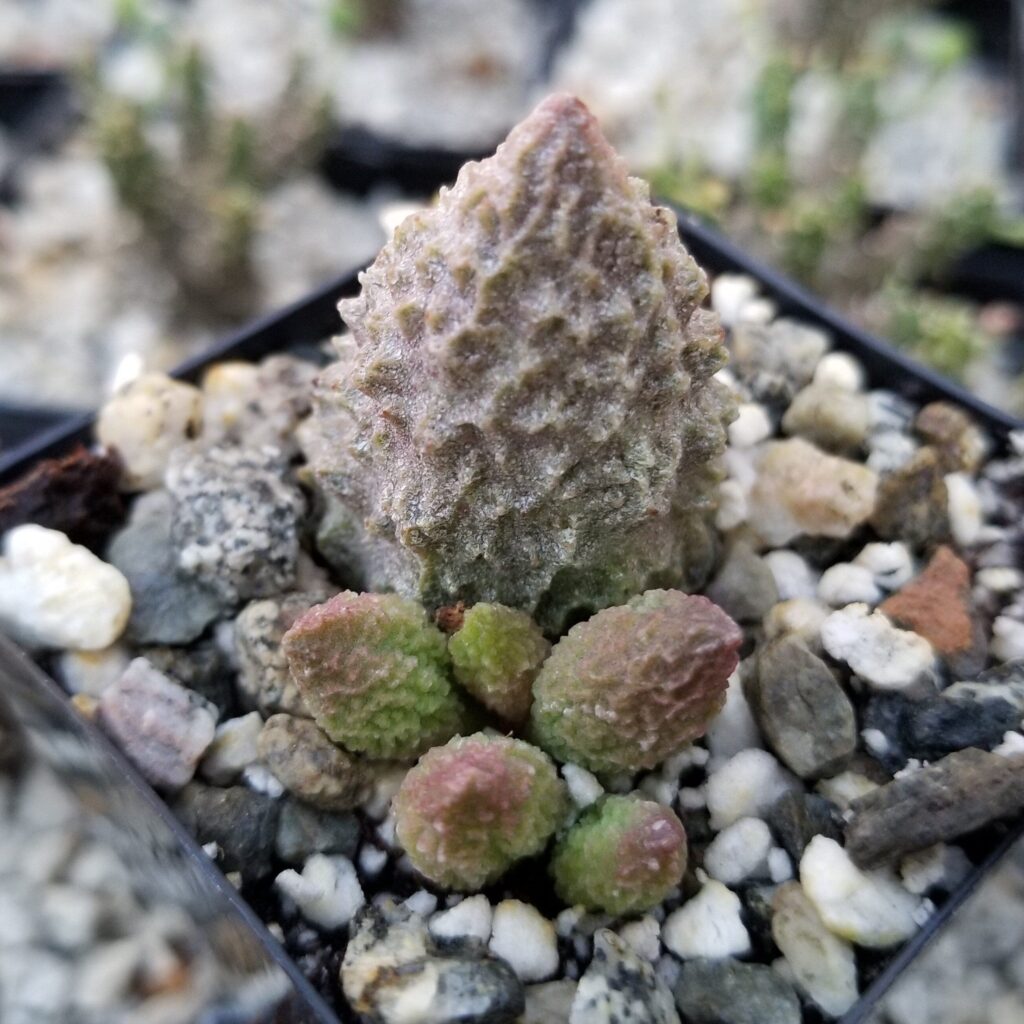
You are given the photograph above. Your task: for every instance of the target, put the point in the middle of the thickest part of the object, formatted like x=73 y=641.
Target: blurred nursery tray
x=35 y=112
x=41 y=707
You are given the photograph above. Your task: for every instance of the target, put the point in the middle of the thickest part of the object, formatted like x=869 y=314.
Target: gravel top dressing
x=554 y=645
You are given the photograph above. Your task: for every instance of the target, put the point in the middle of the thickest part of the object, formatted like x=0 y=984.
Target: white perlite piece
x=145 y=422
x=780 y=867
x=886 y=657
x=57 y=594
x=937 y=867
x=750 y=427
x=643 y=936
x=844 y=583
x=327 y=892
x=91 y=672
x=708 y=927
x=421 y=903
x=964 y=503
x=584 y=788
x=822 y=965
x=746 y=786
x=233 y=749
x=1013 y=744
x=1007 y=639
x=793 y=574
x=739 y=852
x=734 y=729
x=839 y=370
x=729 y=294
x=525 y=939
x=891 y=565
x=868 y=908
x=470 y=919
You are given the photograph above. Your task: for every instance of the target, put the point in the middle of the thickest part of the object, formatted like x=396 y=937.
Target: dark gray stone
x=729 y=992
x=802 y=710
x=303 y=831
x=167 y=606
x=932 y=727
x=201 y=667
x=797 y=817
x=242 y=823
x=744 y=585
x=934 y=804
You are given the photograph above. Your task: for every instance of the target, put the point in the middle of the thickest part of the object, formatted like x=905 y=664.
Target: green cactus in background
x=622 y=856
x=375 y=673
x=472 y=808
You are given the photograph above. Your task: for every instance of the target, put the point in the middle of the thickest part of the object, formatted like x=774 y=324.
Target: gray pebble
x=730 y=992
x=303 y=831
x=797 y=817
x=802 y=710
x=744 y=585
x=168 y=607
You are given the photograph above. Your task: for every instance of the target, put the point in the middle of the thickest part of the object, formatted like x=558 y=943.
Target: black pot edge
x=315 y=317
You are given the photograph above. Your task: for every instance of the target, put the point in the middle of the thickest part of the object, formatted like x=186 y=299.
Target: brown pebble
x=912 y=503
x=937 y=605
x=934 y=804
x=449 y=618
x=953 y=434
x=77 y=494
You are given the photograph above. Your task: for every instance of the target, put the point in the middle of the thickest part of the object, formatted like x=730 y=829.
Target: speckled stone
x=303 y=831
x=797 y=817
x=912 y=504
x=730 y=992
x=236 y=521
x=620 y=987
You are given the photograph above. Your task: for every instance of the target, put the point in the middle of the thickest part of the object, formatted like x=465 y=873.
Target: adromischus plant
x=468 y=810
x=496 y=654
x=524 y=412
x=634 y=684
x=375 y=673
x=622 y=856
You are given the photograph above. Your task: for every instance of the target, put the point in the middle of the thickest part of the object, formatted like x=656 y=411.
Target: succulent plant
x=524 y=411
x=374 y=671
x=496 y=654
x=622 y=856
x=636 y=683
x=473 y=807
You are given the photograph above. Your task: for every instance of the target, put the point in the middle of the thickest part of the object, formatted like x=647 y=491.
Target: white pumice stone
x=868 y=908
x=1002 y=579
x=734 y=729
x=421 y=903
x=525 y=939
x=692 y=798
x=583 y=786
x=940 y=867
x=233 y=749
x=644 y=936
x=327 y=892
x=799 y=616
x=57 y=594
x=739 y=852
x=751 y=426
x=145 y=422
x=840 y=370
x=1012 y=745
x=891 y=565
x=261 y=779
x=708 y=927
x=888 y=450
x=844 y=788
x=746 y=786
x=886 y=657
x=845 y=583
x=758 y=310
x=964 y=503
x=1007 y=639
x=371 y=860
x=793 y=575
x=470 y=919
x=732 y=506
x=91 y=672
x=729 y=293
x=780 y=867
x=659 y=789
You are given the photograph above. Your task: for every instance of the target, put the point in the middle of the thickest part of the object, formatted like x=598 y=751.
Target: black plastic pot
x=43 y=709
